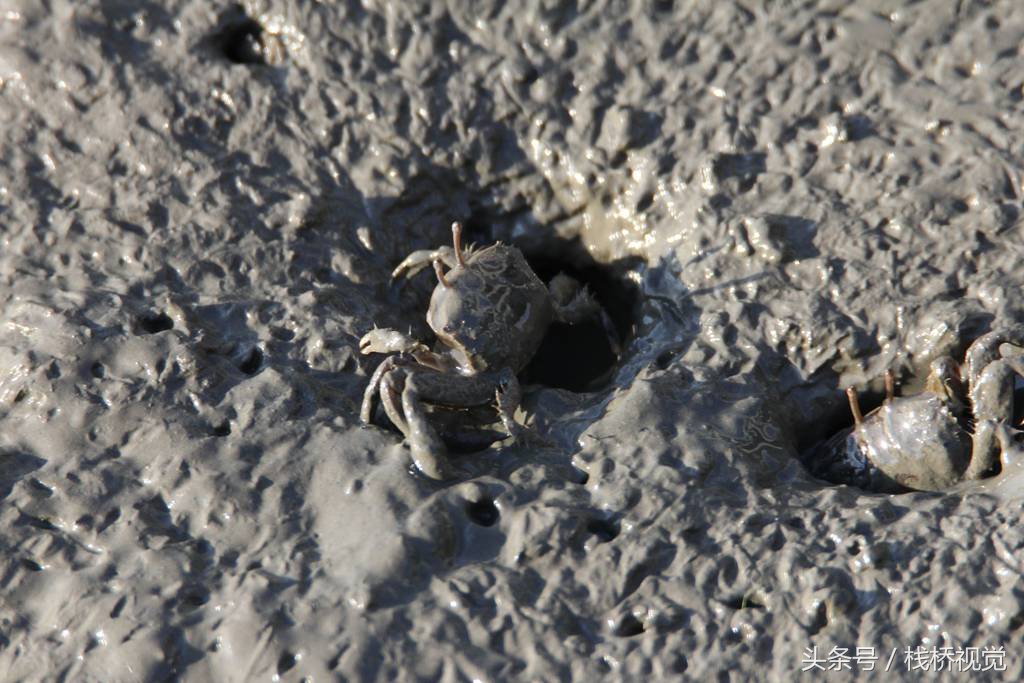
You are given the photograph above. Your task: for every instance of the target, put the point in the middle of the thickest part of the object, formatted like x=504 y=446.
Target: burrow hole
x=628 y=627
x=817 y=442
x=482 y=512
x=286 y=662
x=153 y=322
x=604 y=529
x=239 y=37
x=252 y=362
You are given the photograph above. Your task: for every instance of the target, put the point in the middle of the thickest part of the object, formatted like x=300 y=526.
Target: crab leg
x=991 y=378
x=992 y=398
x=425 y=444
x=985 y=350
x=366 y=410
x=507 y=396
x=386 y=340
x=450 y=256
x=439 y=271
x=418 y=260
x=858 y=417
x=391 y=388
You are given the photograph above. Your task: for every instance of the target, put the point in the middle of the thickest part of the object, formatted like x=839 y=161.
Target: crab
x=489 y=312
x=933 y=440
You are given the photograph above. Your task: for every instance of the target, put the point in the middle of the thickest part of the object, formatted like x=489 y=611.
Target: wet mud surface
x=201 y=206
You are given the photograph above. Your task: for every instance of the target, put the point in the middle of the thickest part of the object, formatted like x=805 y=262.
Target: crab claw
x=384 y=340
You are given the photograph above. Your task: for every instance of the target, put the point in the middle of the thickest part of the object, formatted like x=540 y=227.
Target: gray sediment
x=200 y=208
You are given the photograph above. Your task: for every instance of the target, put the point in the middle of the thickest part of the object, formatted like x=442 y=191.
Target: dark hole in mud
x=580 y=357
x=111 y=517
x=666 y=358
x=97 y=370
x=628 y=627
x=115 y=612
x=286 y=662
x=252 y=363
x=580 y=476
x=31 y=565
x=192 y=597
x=605 y=529
x=37 y=522
x=819 y=620
x=482 y=512
x=240 y=37
x=744 y=601
x=229 y=559
x=818 y=443
x=40 y=488
x=739 y=165
x=222 y=429
x=151 y=323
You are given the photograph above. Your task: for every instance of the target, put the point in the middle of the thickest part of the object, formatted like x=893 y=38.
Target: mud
x=200 y=208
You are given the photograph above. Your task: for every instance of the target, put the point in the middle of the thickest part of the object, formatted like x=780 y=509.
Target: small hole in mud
x=605 y=529
x=580 y=357
x=223 y=429
x=665 y=359
x=580 y=477
x=482 y=512
x=819 y=620
x=31 y=565
x=744 y=601
x=192 y=597
x=240 y=38
x=97 y=370
x=820 y=443
x=252 y=362
x=152 y=323
x=629 y=626
x=109 y=519
x=286 y=662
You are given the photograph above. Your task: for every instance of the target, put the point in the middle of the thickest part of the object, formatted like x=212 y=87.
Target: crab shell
x=493 y=311
x=914 y=441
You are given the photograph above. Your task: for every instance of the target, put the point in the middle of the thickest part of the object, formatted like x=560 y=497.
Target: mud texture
x=201 y=204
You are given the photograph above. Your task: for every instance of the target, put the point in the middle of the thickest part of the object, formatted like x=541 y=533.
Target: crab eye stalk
x=457 y=241
x=440 y=274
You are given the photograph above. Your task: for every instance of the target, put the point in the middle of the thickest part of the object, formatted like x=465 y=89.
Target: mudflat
x=200 y=208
